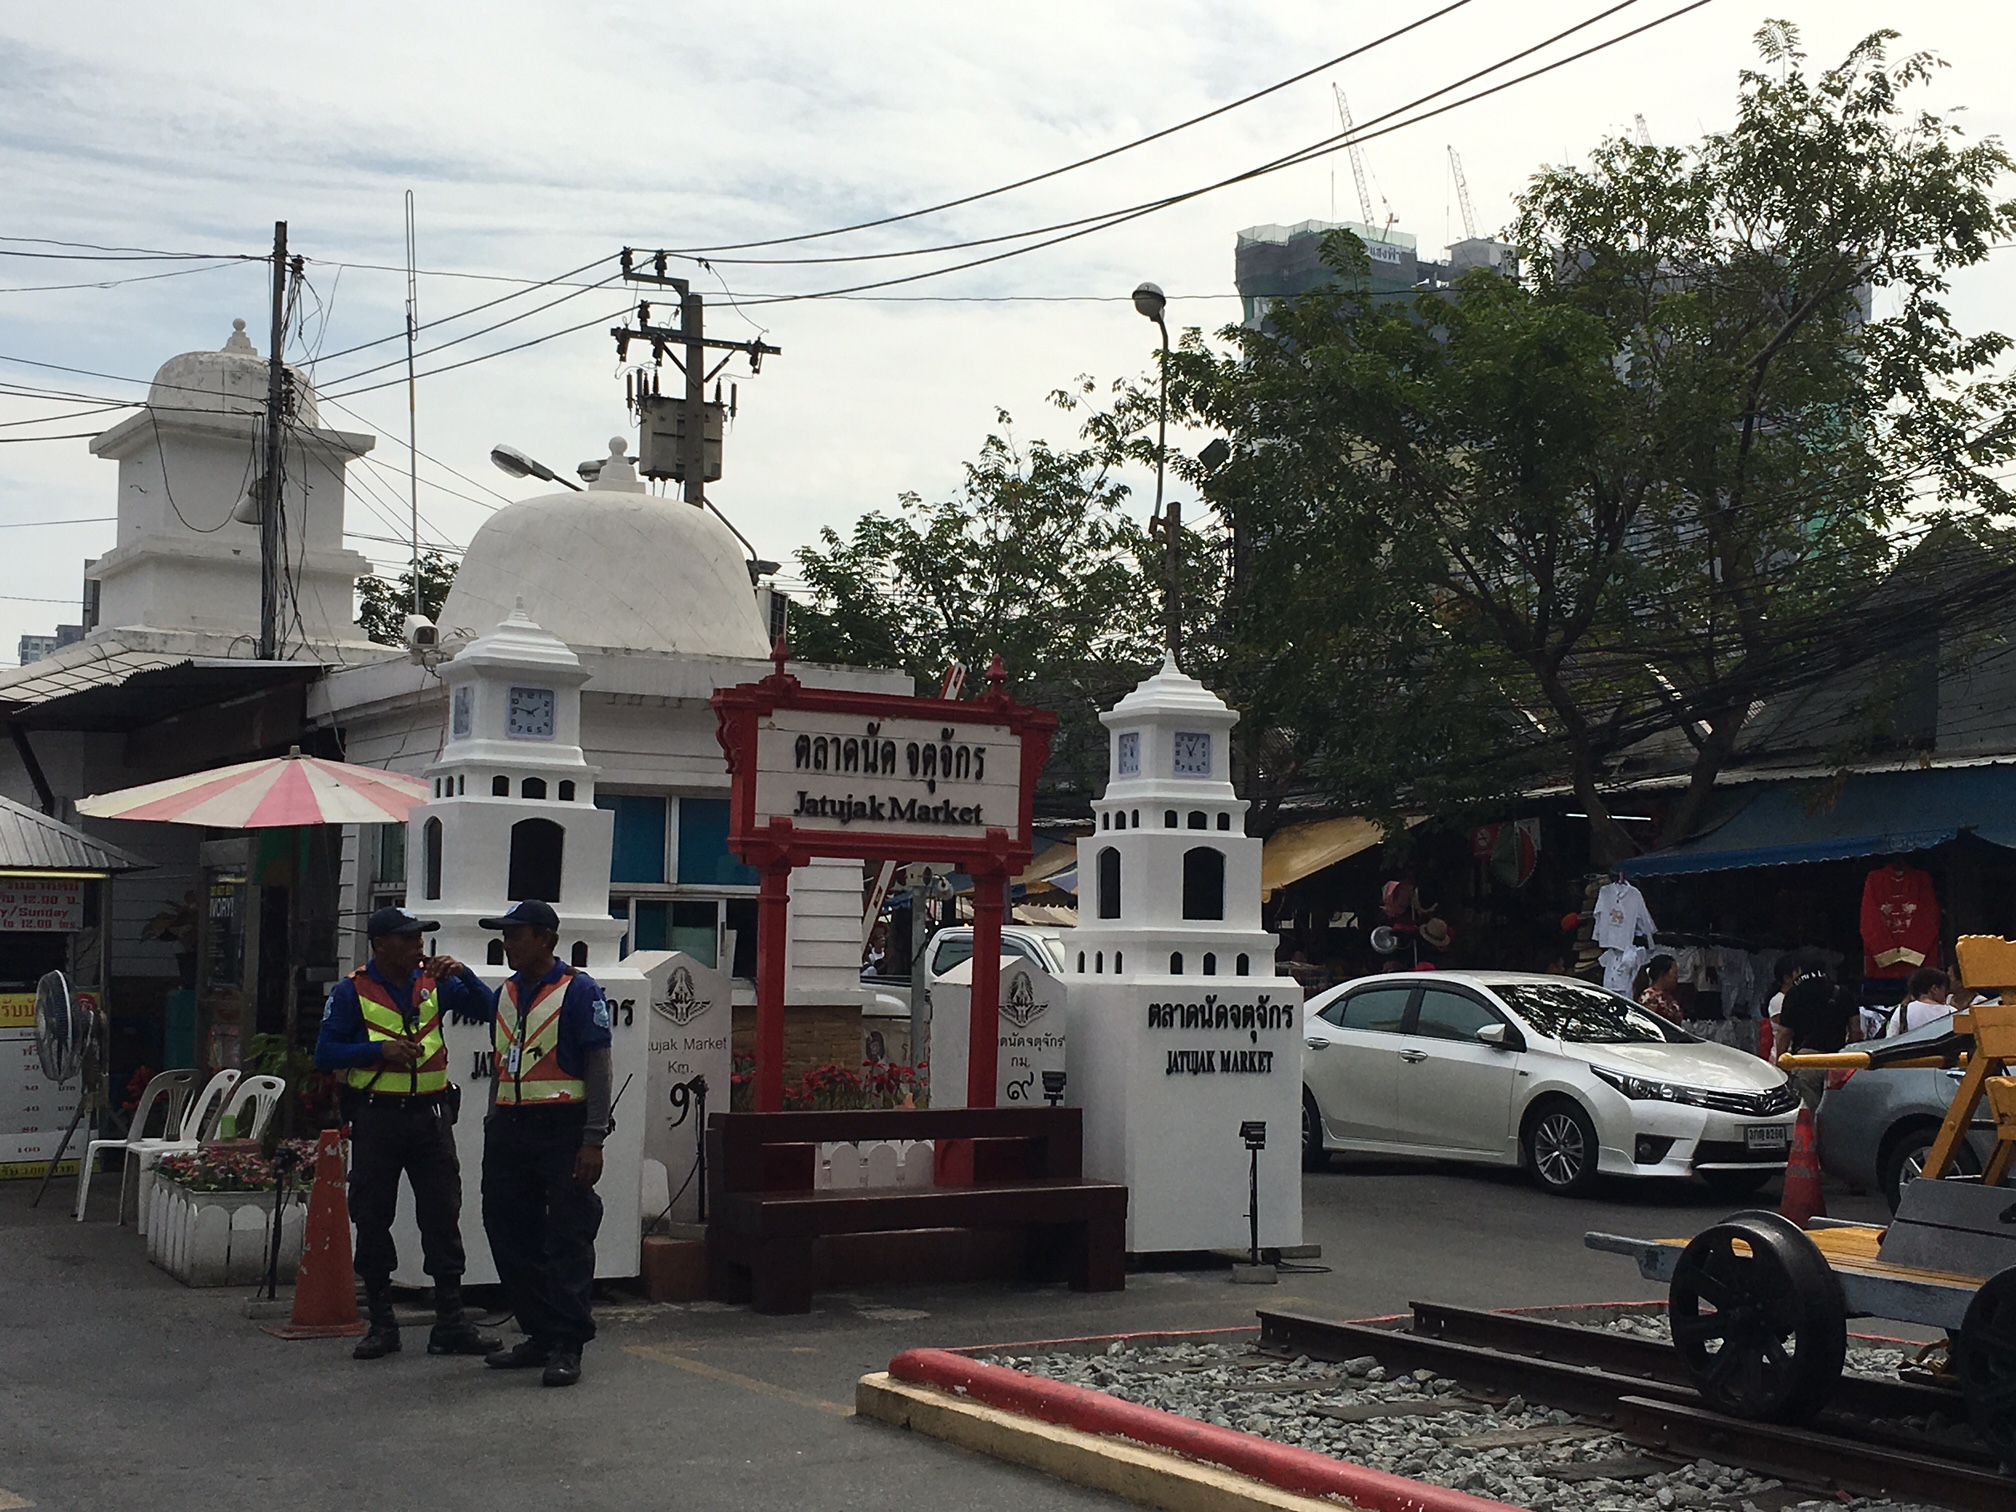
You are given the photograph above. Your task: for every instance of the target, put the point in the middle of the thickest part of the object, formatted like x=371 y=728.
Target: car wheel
x=1314 y=1156
x=1904 y=1161
x=1734 y=1183
x=1561 y=1148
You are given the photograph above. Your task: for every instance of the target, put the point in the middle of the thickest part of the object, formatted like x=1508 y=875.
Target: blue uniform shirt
x=584 y=1014
x=344 y=1041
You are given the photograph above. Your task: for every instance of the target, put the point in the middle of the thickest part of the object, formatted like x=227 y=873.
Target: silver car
x=1876 y=1128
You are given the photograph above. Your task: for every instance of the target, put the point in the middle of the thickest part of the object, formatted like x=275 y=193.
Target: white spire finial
x=238 y=341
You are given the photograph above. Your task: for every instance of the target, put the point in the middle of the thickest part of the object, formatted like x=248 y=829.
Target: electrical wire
x=113 y=283
x=1351 y=136
x=600 y=320
x=558 y=279
x=1097 y=157
x=66 y=436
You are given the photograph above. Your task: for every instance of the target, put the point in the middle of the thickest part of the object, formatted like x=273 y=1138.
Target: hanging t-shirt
x=1621 y=916
x=1900 y=922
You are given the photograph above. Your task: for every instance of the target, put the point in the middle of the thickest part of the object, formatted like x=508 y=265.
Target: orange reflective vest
x=527 y=1041
x=383 y=1020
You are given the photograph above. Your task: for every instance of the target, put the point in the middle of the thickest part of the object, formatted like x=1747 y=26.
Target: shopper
x=1816 y=1015
x=381 y=1030
x=542 y=1144
x=1658 y=987
x=1927 y=1000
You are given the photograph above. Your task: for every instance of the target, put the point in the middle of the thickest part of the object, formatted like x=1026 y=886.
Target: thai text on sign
x=832 y=771
x=41 y=904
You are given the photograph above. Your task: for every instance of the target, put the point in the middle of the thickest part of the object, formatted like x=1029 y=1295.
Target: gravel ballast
x=1423 y=1426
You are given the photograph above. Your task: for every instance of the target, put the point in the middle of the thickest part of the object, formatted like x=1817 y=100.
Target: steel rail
x=1641 y=1387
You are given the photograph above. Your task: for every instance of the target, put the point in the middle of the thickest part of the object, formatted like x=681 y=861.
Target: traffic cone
x=1802 y=1201
x=325 y=1293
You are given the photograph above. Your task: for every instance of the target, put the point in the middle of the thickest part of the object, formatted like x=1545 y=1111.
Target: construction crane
x=1463 y=196
x=1357 y=157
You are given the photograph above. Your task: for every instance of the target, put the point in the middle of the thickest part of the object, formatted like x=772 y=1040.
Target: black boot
x=453 y=1333
x=564 y=1369
x=526 y=1354
x=383 y=1339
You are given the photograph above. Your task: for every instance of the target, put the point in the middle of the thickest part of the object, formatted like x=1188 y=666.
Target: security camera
x=422 y=634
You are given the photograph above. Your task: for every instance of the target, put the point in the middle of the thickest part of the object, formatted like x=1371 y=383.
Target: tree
x=382 y=604
x=1651 y=483
x=1034 y=558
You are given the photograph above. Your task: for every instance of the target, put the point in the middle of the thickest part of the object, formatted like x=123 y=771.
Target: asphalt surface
x=123 y=1388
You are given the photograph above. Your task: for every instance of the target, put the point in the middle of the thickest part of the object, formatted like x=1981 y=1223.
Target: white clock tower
x=513 y=810
x=1181 y=1035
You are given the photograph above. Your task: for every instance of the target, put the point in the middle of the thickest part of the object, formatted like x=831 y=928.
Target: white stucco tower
x=513 y=810
x=1180 y=1031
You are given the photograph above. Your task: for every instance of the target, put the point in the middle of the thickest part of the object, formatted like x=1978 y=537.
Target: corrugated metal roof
x=105 y=686
x=30 y=841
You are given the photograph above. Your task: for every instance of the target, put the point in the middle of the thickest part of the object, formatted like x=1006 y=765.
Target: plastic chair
x=198 y=1124
x=170 y=1090
x=263 y=1094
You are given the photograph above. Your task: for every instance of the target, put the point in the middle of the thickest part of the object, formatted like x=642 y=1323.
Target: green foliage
x=1638 y=492
x=1034 y=559
x=382 y=604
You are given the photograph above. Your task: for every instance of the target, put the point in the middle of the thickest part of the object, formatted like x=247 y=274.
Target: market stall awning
x=1062 y=856
x=32 y=842
x=1873 y=814
x=1301 y=850
x=109 y=687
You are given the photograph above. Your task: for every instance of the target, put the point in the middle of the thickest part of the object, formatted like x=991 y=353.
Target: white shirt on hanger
x=1621 y=916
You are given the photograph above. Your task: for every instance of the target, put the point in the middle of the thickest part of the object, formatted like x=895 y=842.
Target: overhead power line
x=1097 y=157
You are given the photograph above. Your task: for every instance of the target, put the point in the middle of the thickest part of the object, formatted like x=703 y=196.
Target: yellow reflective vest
x=527 y=1042
x=384 y=1021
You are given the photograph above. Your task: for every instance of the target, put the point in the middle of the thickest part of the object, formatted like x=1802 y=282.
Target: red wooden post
x=773 y=916
x=983 y=1034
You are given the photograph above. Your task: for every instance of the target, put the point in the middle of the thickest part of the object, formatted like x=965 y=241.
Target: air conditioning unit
x=775 y=607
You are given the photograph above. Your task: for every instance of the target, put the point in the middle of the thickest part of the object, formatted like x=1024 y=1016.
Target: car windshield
x=1586 y=1016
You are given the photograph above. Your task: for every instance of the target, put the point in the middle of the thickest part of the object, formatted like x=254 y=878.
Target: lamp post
x=1151 y=302
x=515 y=462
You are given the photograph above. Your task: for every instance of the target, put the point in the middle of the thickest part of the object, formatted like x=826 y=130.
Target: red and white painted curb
x=1281 y=1465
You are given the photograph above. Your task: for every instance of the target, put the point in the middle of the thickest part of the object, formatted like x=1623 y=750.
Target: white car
x=1504 y=1068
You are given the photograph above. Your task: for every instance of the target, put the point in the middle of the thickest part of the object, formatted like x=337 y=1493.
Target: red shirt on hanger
x=1900 y=922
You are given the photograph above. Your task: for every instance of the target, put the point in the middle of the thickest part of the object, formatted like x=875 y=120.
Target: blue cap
x=531 y=911
x=394 y=920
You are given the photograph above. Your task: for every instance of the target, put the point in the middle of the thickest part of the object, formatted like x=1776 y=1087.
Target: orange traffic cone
x=325 y=1294
x=1802 y=1201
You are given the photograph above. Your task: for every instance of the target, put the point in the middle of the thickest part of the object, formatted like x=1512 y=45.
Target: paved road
x=122 y=1388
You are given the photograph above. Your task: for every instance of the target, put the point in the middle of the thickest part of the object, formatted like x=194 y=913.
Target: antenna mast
x=1357 y=157
x=1644 y=131
x=412 y=400
x=1463 y=195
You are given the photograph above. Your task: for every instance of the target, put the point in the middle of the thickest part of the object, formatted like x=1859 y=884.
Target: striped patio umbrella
x=275 y=793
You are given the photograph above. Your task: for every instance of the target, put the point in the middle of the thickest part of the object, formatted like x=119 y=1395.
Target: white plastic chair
x=263 y=1094
x=170 y=1090
x=198 y=1124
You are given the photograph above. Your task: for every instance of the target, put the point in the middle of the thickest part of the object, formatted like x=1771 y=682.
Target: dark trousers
x=541 y=1222
x=390 y=1135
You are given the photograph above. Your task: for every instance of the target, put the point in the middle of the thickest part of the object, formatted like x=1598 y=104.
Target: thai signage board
x=41 y=904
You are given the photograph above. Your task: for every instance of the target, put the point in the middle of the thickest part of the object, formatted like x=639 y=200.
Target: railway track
x=1859 y=1445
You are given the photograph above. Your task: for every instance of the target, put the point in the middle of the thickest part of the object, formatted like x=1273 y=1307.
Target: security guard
x=542 y=1144
x=381 y=1032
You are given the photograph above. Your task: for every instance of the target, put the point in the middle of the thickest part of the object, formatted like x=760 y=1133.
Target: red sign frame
x=777 y=847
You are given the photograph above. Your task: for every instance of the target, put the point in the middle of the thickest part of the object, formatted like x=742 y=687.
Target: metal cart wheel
x=1759 y=1318
x=1984 y=1358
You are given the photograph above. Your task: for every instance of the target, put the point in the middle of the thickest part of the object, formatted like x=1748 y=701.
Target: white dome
x=611 y=566
x=230 y=381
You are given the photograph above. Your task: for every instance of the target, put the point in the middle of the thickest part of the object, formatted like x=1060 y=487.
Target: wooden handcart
x=1759 y=1307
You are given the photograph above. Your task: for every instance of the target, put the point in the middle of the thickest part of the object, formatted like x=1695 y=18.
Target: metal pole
x=269 y=491
x=1172 y=518
x=412 y=396
x=920 y=981
x=983 y=1033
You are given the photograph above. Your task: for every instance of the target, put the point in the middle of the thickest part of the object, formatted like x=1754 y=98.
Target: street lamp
x=1151 y=302
x=515 y=462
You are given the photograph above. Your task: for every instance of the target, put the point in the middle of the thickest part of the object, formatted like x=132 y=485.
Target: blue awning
x=1875 y=814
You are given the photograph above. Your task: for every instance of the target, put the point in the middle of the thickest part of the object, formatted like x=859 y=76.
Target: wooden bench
x=997 y=1168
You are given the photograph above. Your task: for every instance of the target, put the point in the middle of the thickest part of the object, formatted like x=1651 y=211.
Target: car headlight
x=1644 y=1089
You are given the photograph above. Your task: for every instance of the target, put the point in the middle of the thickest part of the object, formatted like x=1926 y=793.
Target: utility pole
x=679 y=435
x=269 y=485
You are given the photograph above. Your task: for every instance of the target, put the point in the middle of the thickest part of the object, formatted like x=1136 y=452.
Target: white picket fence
x=875 y=1163
x=220 y=1238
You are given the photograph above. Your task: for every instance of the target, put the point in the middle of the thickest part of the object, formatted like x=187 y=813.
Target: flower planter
x=219 y=1238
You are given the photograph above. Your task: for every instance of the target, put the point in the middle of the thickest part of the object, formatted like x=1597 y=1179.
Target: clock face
x=528 y=713
x=1193 y=754
x=462 y=714
x=1129 y=763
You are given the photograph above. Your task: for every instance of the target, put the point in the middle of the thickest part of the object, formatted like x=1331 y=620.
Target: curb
x=1149 y=1477
x=1302 y=1471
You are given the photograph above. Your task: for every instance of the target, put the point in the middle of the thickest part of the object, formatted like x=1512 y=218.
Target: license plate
x=1766 y=1136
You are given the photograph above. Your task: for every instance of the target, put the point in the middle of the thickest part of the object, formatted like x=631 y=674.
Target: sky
x=538 y=138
